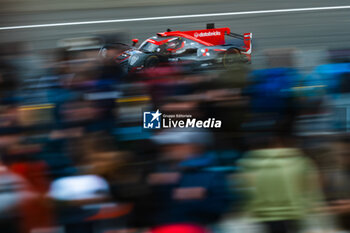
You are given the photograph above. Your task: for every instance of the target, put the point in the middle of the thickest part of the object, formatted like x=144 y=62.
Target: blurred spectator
x=336 y=179
x=282 y=183
x=8 y=83
x=14 y=193
x=225 y=99
x=183 y=190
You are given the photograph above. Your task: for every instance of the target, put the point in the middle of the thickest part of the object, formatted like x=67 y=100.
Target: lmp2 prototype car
x=203 y=48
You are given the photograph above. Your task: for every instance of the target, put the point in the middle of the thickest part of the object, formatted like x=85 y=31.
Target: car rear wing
x=246 y=37
x=235 y=35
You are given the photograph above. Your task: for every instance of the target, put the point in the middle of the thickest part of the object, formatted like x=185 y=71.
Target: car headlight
x=134 y=59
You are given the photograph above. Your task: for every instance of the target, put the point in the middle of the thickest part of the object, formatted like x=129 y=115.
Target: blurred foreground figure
x=336 y=181
x=14 y=192
x=283 y=185
x=72 y=194
x=187 y=196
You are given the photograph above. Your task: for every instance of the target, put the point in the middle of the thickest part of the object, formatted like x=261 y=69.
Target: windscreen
x=148 y=47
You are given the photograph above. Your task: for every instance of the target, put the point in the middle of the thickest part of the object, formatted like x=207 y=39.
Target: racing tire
x=151 y=61
x=232 y=56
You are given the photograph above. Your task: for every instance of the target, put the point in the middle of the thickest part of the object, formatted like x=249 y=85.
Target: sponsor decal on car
x=205 y=34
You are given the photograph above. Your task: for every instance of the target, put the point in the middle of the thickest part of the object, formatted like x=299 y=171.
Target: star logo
x=156 y=115
x=151 y=120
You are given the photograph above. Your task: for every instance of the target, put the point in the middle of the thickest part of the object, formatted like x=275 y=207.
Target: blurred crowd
x=75 y=159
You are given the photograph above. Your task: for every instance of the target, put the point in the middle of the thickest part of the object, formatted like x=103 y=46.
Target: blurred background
x=75 y=159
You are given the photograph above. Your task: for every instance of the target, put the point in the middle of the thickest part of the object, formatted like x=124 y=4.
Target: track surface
x=304 y=30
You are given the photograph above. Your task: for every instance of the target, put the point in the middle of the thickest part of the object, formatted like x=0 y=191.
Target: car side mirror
x=134 y=41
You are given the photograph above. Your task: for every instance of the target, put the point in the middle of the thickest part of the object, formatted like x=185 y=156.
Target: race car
x=202 y=48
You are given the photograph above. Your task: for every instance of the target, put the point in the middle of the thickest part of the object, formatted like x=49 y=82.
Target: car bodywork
x=201 y=48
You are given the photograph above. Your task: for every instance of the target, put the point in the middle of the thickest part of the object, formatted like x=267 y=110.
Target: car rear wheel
x=231 y=57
